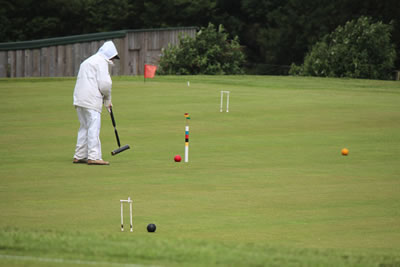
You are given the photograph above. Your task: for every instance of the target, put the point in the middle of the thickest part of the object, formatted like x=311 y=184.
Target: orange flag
x=149 y=71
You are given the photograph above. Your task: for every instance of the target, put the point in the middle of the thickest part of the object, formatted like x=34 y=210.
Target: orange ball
x=345 y=151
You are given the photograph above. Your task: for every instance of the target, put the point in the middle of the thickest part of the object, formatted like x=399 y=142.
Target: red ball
x=177 y=158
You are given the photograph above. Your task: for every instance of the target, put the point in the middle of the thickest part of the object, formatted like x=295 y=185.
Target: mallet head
x=119 y=150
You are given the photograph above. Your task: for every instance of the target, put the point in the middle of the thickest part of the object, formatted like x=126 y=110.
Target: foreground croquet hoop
x=223 y=93
x=129 y=200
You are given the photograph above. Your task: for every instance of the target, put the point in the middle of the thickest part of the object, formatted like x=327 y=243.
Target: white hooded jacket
x=93 y=84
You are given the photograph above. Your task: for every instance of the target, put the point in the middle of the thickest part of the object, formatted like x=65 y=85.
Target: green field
x=266 y=184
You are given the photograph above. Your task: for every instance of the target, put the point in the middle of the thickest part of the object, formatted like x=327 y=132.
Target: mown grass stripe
x=70 y=261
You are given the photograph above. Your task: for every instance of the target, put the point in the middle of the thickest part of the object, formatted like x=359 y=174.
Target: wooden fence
x=61 y=57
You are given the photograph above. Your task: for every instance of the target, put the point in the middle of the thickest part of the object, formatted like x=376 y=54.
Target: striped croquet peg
x=187 y=137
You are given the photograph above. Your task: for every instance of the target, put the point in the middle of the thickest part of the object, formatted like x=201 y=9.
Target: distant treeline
x=274 y=33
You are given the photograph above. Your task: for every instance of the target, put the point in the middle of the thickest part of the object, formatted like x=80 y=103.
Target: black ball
x=151 y=228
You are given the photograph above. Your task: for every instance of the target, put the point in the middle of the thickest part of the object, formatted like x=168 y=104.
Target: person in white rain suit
x=92 y=90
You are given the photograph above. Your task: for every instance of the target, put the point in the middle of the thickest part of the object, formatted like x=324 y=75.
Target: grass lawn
x=266 y=184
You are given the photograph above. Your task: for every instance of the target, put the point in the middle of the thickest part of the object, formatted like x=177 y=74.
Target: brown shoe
x=97 y=162
x=80 y=160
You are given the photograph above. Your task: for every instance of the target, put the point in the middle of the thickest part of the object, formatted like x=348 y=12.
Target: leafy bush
x=360 y=49
x=210 y=52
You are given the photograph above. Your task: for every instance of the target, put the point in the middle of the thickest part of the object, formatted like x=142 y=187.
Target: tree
x=106 y=15
x=210 y=52
x=360 y=49
x=273 y=33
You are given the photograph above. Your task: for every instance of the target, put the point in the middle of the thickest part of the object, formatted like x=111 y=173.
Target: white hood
x=108 y=50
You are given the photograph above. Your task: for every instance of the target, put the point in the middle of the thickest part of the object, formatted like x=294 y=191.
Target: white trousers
x=88 y=145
